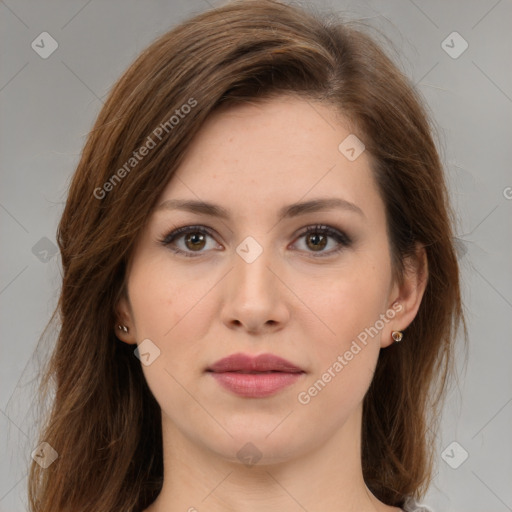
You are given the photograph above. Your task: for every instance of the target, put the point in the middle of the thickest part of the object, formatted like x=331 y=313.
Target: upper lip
x=253 y=364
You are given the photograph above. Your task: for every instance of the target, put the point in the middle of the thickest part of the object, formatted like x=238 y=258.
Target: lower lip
x=255 y=385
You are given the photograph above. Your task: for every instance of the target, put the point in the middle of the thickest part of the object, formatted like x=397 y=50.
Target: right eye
x=194 y=239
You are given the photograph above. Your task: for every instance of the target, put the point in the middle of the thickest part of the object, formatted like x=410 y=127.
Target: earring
x=122 y=328
x=397 y=336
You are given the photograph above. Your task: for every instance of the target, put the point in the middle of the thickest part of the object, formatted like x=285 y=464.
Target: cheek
x=162 y=298
x=345 y=355
x=350 y=303
x=344 y=360
x=173 y=310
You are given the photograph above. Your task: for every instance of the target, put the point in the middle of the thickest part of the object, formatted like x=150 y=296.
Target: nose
x=256 y=296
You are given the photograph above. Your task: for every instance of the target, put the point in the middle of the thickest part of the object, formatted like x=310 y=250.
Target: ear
x=406 y=295
x=124 y=317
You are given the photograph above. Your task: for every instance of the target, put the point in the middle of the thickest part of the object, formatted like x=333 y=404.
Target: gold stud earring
x=122 y=328
x=397 y=336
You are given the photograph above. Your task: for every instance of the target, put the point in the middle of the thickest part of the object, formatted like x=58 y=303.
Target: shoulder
x=411 y=505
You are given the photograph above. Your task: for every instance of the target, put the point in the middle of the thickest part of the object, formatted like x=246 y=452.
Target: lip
x=255 y=376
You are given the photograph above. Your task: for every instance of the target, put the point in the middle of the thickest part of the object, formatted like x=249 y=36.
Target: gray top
x=411 y=505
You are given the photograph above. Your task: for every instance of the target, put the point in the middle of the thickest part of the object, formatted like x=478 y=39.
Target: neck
x=328 y=478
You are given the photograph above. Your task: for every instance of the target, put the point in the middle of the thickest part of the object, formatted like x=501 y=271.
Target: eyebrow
x=287 y=212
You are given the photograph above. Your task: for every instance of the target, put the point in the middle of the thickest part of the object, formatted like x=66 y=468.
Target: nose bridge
x=252 y=274
x=253 y=299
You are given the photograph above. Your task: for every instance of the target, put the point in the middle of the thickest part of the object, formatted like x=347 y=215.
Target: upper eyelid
x=180 y=231
x=211 y=231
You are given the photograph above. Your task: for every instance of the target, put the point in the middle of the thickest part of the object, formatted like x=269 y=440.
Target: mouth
x=254 y=377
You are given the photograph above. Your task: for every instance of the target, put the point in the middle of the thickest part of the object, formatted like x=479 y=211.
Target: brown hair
x=104 y=422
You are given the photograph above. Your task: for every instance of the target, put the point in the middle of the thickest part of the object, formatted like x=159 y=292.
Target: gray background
x=48 y=106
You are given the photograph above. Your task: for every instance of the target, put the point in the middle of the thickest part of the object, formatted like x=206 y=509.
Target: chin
x=258 y=442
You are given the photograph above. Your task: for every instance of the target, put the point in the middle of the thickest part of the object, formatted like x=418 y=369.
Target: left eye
x=316 y=237
x=194 y=238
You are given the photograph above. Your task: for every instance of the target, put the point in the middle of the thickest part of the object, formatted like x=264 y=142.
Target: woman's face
x=254 y=282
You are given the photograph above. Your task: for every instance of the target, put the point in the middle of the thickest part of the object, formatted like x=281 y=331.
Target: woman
x=260 y=291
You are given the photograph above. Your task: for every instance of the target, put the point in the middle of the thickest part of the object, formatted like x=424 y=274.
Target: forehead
x=272 y=153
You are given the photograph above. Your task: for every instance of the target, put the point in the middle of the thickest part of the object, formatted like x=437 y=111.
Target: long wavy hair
x=103 y=421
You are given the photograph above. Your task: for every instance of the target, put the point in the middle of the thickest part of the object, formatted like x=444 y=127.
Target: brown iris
x=316 y=244
x=196 y=239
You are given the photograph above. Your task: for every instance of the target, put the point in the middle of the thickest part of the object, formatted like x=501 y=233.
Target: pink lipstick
x=255 y=377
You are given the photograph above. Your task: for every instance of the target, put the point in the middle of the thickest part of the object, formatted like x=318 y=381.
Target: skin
x=253 y=160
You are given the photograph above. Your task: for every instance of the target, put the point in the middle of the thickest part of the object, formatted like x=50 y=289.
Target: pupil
x=195 y=238
x=316 y=241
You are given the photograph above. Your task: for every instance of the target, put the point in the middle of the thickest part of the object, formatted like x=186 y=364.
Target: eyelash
x=337 y=235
